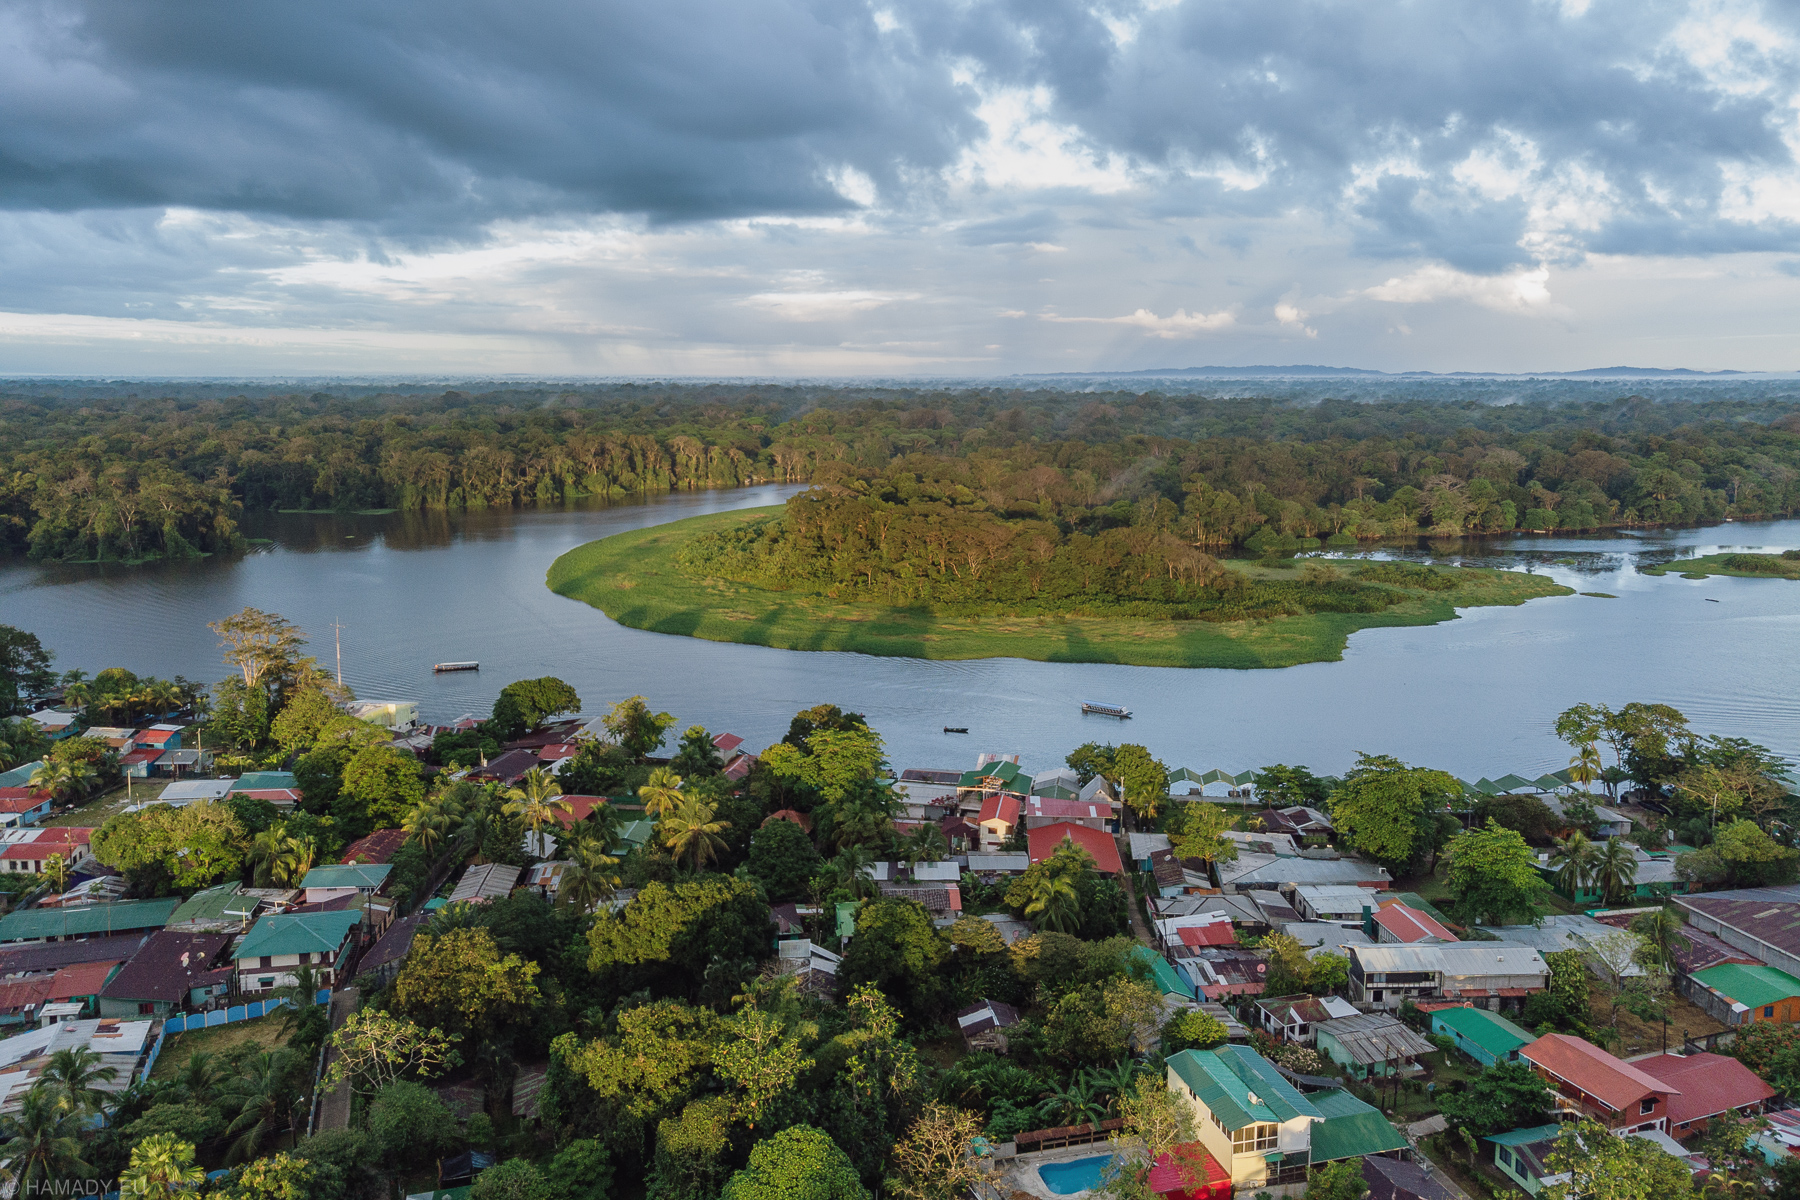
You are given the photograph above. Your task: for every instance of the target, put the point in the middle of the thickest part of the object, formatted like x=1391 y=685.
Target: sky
x=941 y=187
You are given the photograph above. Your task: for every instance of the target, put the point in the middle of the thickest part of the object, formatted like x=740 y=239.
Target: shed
x=1524 y=1156
x=1371 y=1044
x=376 y=848
x=984 y=1025
x=491 y=881
x=1736 y=994
x=1351 y=1129
x=1487 y=1037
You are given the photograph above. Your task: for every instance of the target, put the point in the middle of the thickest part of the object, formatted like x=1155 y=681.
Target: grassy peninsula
x=1738 y=565
x=639 y=580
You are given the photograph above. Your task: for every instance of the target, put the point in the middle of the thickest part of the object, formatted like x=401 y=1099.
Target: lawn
x=265 y=1032
x=1714 y=564
x=109 y=803
x=634 y=578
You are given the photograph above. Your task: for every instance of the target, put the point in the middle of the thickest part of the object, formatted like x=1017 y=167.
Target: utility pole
x=338 y=636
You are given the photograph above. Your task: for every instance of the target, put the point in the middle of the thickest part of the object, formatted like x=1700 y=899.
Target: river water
x=1475 y=696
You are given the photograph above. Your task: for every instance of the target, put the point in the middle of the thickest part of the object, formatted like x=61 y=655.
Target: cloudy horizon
x=843 y=188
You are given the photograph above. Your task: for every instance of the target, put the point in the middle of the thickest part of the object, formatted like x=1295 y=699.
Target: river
x=1475 y=696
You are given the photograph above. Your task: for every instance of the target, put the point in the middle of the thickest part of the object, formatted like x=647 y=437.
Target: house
x=20 y=775
x=86 y=920
x=1298 y=822
x=1321 y=937
x=994 y=865
x=1655 y=878
x=984 y=1025
x=1249 y=872
x=29 y=958
x=1345 y=905
x=991 y=774
x=79 y=986
x=1143 y=845
x=1763 y=922
x=1212 y=933
x=23 y=806
x=1044 y=840
x=1587 y=1081
x=1735 y=994
x=398 y=715
x=1523 y=1155
x=341 y=879
x=117 y=737
x=1397 y=1179
x=221 y=909
x=191 y=791
x=174 y=763
x=507 y=768
x=160 y=737
x=173 y=972
x=1167 y=979
x=1040 y=810
x=1220 y=971
x=276 y=945
x=1168 y=875
x=120 y=1045
x=1281 y=845
x=139 y=763
x=383 y=959
x=1370 y=1044
x=1498 y=974
x=265 y=781
x=29 y=850
x=1711 y=1085
x=1484 y=1036
x=1398 y=922
x=481 y=884
x=1291 y=1018
x=54 y=723
x=376 y=848
x=998 y=817
x=1560 y=931
x=1257 y=1125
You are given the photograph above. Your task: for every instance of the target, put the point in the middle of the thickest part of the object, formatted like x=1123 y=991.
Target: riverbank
x=634 y=578
x=1732 y=564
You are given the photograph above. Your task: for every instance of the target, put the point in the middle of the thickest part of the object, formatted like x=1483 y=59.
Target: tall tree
x=637 y=730
x=24 y=669
x=1143 y=781
x=263 y=646
x=1615 y=870
x=1493 y=876
x=692 y=832
x=1384 y=804
x=161 y=1165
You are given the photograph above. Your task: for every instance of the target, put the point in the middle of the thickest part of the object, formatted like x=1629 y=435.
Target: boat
x=956 y=729
x=1105 y=710
x=440 y=668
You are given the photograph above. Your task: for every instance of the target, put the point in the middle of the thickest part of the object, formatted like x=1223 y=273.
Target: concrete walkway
x=334 y=1110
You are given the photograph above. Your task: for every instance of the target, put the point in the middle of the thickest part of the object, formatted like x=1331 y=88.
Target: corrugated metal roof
x=121 y=917
x=1491 y=1031
x=1455 y=958
x=1372 y=1038
x=1351 y=1129
x=298 y=933
x=1753 y=987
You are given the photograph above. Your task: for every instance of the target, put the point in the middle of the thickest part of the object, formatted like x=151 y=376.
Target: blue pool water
x=1077 y=1175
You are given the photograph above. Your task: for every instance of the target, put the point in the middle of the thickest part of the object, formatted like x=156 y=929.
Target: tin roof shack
x=23 y=806
x=376 y=848
x=1368 y=1044
x=1590 y=1082
x=1712 y=1085
x=1396 y=1179
x=1484 y=1036
x=383 y=959
x=1493 y=974
x=480 y=884
x=984 y=1025
x=1292 y=1018
x=340 y=879
x=1523 y=1156
x=1219 y=971
x=1734 y=994
x=1249 y=872
x=275 y=946
x=1763 y=922
x=1400 y=922
x=86 y=920
x=1335 y=903
x=120 y=1045
x=173 y=972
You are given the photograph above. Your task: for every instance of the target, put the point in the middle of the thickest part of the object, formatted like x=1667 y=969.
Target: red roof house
x=558 y=751
x=725 y=743
x=788 y=814
x=375 y=849
x=1401 y=923
x=1711 y=1085
x=998 y=817
x=1044 y=840
x=580 y=808
x=1217 y=933
x=1043 y=810
x=1588 y=1080
x=158 y=736
x=1188 y=1172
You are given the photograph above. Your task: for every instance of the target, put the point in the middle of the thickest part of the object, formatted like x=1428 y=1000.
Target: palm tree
x=42 y=1140
x=263 y=1099
x=1053 y=902
x=161 y=1165
x=199 y=1078
x=924 y=844
x=1572 y=862
x=57 y=868
x=1584 y=768
x=281 y=859
x=1662 y=931
x=864 y=816
x=432 y=820
x=62 y=780
x=539 y=801
x=1114 y=1081
x=661 y=793
x=474 y=828
x=77 y=1073
x=849 y=872
x=300 y=995
x=588 y=879
x=1615 y=870
x=691 y=830
x=1076 y=1104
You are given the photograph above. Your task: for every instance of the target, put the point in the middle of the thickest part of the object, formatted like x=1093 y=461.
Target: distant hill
x=1312 y=370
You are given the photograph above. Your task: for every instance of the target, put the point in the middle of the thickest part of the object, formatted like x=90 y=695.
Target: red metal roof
x=272 y=795
x=580 y=808
x=740 y=767
x=999 y=807
x=1044 y=840
x=1188 y=1170
x=83 y=979
x=788 y=814
x=725 y=743
x=558 y=751
x=1612 y=1081
x=18 y=800
x=1043 y=806
x=375 y=849
x=1217 y=933
x=139 y=756
x=155 y=737
x=19 y=994
x=1710 y=1084
x=1409 y=924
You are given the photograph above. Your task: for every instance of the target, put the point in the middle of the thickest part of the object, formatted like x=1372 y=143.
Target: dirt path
x=334 y=1110
x=1138 y=928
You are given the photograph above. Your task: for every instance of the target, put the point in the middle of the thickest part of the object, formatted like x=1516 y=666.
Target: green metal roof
x=636 y=833
x=1750 y=986
x=86 y=920
x=297 y=933
x=1240 y=1086
x=1275 y=1092
x=265 y=781
x=1008 y=772
x=220 y=903
x=1525 y=1137
x=1184 y=775
x=1513 y=783
x=846 y=918
x=1491 y=1031
x=1052 y=791
x=1167 y=977
x=20 y=776
x=1351 y=1129
x=356 y=875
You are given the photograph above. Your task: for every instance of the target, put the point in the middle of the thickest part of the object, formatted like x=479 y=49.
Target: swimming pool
x=1076 y=1175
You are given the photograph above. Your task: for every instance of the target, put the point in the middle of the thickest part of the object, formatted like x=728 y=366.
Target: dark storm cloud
x=422 y=118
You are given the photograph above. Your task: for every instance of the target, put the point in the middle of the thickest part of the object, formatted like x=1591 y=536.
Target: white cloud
x=822 y=306
x=1178 y=324
x=1521 y=292
x=1294 y=318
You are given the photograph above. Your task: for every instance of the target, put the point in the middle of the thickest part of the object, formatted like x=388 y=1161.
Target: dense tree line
x=126 y=477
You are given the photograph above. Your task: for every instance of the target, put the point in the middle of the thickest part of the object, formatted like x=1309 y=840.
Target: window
x=1646 y=1107
x=267 y=981
x=1375 y=996
x=1769 y=1011
x=146 y=1008
x=1252 y=1138
x=265 y=962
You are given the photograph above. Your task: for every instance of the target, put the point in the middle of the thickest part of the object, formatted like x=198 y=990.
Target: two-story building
x=276 y=945
x=1292 y=1018
x=172 y=972
x=998 y=818
x=1589 y=1082
x=345 y=879
x=1496 y=975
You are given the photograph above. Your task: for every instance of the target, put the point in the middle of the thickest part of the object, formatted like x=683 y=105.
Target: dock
x=440 y=668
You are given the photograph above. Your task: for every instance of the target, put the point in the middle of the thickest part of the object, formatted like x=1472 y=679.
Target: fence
x=185 y=1022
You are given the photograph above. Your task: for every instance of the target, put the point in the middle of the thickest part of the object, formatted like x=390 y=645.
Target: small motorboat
x=956 y=729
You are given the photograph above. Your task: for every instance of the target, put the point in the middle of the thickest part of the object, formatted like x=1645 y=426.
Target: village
x=1285 y=1014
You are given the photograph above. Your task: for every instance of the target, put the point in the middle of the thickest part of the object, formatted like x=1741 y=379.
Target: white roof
x=1061 y=776
x=168 y=728
x=938 y=872
x=1282 y=844
x=1561 y=931
x=50 y=716
x=1271 y=868
x=1020 y=861
x=488 y=882
x=1097 y=788
x=22 y=1058
x=1453 y=958
x=1010 y=928
x=1323 y=934
x=196 y=789
x=1337 y=898
x=1143 y=845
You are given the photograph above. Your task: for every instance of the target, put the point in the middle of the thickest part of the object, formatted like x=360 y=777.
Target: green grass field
x=634 y=579
x=1714 y=564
